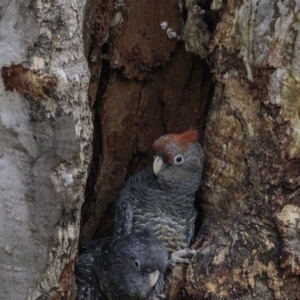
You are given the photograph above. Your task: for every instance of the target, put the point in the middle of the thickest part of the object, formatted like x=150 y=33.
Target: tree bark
x=45 y=146
x=149 y=75
x=249 y=240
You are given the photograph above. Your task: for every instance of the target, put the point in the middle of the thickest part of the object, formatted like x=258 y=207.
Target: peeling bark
x=28 y=82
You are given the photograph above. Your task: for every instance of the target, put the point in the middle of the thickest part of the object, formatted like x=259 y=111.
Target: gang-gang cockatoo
x=127 y=268
x=161 y=197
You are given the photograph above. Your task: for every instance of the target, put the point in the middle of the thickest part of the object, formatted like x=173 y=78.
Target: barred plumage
x=161 y=197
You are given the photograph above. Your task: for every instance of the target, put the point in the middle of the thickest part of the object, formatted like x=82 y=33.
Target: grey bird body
x=127 y=268
x=162 y=197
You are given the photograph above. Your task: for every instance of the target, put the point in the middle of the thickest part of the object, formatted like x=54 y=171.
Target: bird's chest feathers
x=161 y=203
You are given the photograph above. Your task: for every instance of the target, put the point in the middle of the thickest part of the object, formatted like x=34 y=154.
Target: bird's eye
x=178 y=159
x=137 y=264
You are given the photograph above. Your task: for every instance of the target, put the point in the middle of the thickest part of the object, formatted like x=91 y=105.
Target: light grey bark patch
x=53 y=172
x=29 y=200
x=17 y=30
x=43 y=134
x=57 y=137
x=57 y=143
x=65 y=145
x=19 y=255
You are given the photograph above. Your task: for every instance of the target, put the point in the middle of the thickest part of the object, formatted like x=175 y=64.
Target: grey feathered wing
x=85 y=278
x=91 y=257
x=123 y=211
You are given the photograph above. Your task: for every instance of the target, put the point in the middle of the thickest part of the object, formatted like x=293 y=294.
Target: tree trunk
x=149 y=76
x=249 y=240
x=45 y=146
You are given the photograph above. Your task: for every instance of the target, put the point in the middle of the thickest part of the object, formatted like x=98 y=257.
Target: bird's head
x=178 y=157
x=140 y=263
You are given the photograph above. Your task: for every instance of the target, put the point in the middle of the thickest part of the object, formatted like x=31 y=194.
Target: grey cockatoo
x=162 y=196
x=126 y=268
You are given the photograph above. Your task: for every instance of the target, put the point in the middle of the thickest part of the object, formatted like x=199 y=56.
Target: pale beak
x=158 y=165
x=153 y=278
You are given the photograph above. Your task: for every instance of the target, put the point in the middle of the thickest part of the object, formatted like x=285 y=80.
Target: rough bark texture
x=45 y=146
x=249 y=240
x=143 y=84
